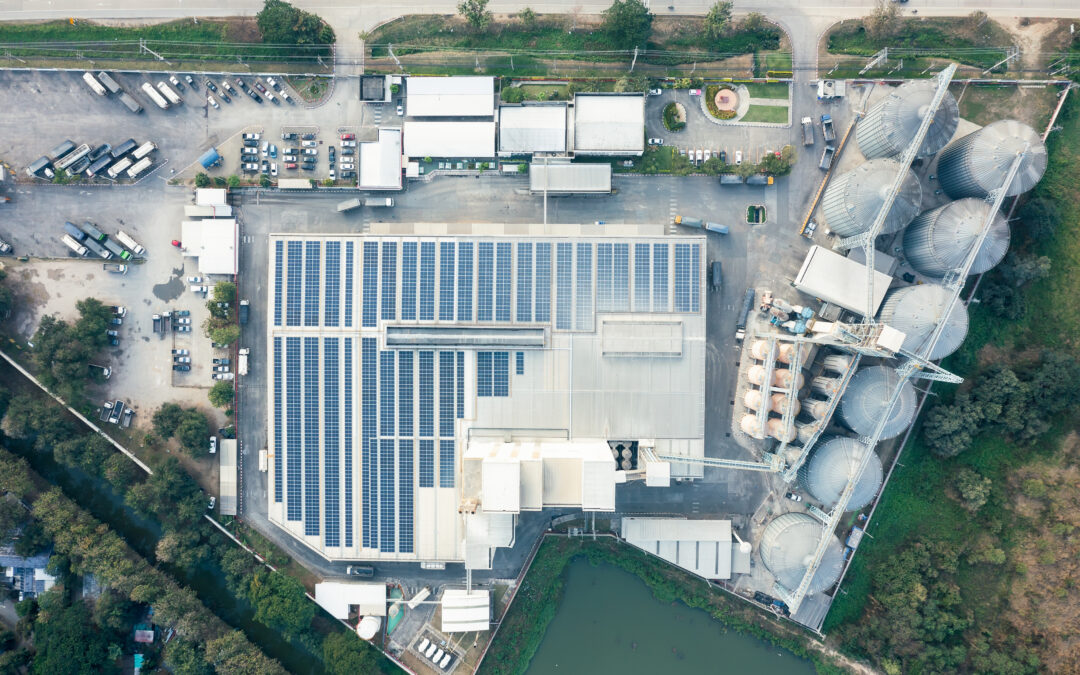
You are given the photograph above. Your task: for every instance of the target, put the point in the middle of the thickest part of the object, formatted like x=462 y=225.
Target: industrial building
x=213 y=241
x=609 y=125
x=472 y=96
x=380 y=161
x=555 y=178
x=428 y=385
x=841 y=280
x=531 y=128
x=449 y=139
x=702 y=547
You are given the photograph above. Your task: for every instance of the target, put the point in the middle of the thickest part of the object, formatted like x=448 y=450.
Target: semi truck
x=264 y=461
x=73 y=230
x=744 y=312
x=92 y=232
x=827 y=128
x=698 y=222
x=144 y=150
x=94 y=84
x=75 y=246
x=130 y=103
x=60 y=150
x=807 y=131
x=127 y=240
x=116 y=249
x=156 y=97
x=109 y=83
x=98 y=166
x=168 y=92
x=115 y=169
x=827 y=157
x=123 y=149
x=140 y=166
x=97 y=249
x=74 y=156
x=350 y=204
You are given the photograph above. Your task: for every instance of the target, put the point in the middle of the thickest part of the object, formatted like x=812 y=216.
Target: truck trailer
x=116 y=249
x=75 y=246
x=109 y=83
x=168 y=92
x=807 y=131
x=155 y=96
x=96 y=248
x=130 y=102
x=139 y=167
x=127 y=240
x=94 y=84
x=827 y=128
x=144 y=150
x=115 y=169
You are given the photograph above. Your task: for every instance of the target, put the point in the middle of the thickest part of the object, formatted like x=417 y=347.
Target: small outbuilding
x=466 y=611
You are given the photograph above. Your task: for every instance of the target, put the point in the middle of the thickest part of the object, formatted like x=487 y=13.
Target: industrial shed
x=532 y=128
x=380 y=162
x=213 y=242
x=336 y=597
x=699 y=546
x=841 y=281
x=466 y=611
x=609 y=124
x=449 y=139
x=569 y=179
x=450 y=96
x=227 y=477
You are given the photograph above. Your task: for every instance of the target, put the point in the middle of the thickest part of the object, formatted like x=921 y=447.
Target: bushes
x=188 y=425
x=671 y=117
x=63 y=352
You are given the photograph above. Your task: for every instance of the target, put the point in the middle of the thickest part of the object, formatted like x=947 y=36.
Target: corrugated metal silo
x=939 y=239
x=892 y=122
x=916 y=311
x=977 y=163
x=787 y=549
x=749 y=426
x=836 y=363
x=853 y=198
x=825 y=386
x=825 y=475
x=866 y=396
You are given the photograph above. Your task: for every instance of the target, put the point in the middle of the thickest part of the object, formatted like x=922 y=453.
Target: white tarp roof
x=465 y=611
x=532 y=128
x=609 y=124
x=336 y=597
x=833 y=278
x=380 y=161
x=213 y=242
x=569 y=178
x=210 y=197
x=472 y=96
x=227 y=477
x=449 y=139
x=700 y=546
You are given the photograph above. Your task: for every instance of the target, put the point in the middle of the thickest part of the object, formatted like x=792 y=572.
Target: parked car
x=738 y=157
x=360 y=570
x=656 y=141
x=289 y=136
x=213 y=502
x=348 y=151
x=348 y=174
x=252 y=136
x=255 y=97
x=695 y=92
x=213 y=444
x=273 y=151
x=265 y=148
x=190 y=80
x=224 y=376
x=273 y=169
x=183 y=329
x=176 y=82
x=273 y=83
x=180 y=352
x=348 y=144
x=332 y=174
x=290 y=165
x=251 y=167
x=241 y=83
x=308 y=136
x=708 y=154
x=224 y=97
x=176 y=243
x=793 y=497
x=348 y=137
x=184 y=321
x=258 y=85
x=183 y=312
x=309 y=143
x=699 y=155
x=119 y=310
x=655 y=92
x=212 y=102
x=180 y=367
x=181 y=359
x=199 y=289
x=195 y=280
x=211 y=86
x=221 y=362
x=347 y=166
x=311 y=151
x=113 y=333
x=400 y=111
x=221 y=369
x=116 y=321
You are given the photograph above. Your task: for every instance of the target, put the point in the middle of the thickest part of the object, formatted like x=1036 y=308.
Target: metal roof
x=227 y=481
x=380 y=161
x=916 y=311
x=565 y=178
x=939 y=240
x=826 y=474
x=532 y=128
x=336 y=596
x=468 y=96
x=700 y=546
x=213 y=242
x=449 y=139
x=834 y=278
x=978 y=163
x=866 y=396
x=854 y=198
x=609 y=124
x=465 y=611
x=787 y=547
x=893 y=121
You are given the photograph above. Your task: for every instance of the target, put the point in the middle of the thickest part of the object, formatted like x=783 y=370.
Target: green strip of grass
x=959 y=39
x=776 y=114
x=777 y=90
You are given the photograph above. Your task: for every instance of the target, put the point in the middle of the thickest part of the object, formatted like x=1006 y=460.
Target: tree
x=194 y=433
x=221 y=394
x=225 y=335
x=718 y=19
x=202 y=180
x=281 y=23
x=346 y=654
x=974 y=489
x=120 y=471
x=1022 y=268
x=475 y=13
x=1053 y=382
x=753 y=22
x=883 y=21
x=513 y=94
x=1003 y=299
x=67 y=641
x=527 y=17
x=233 y=181
x=115 y=613
x=6 y=299
x=264 y=181
x=949 y=429
x=184 y=657
x=628 y=23
x=745 y=170
x=280 y=602
x=32 y=539
x=225 y=291
x=167 y=418
x=1040 y=217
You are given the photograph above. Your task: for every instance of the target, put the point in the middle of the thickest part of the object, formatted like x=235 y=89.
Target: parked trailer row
x=124 y=148
x=72 y=157
x=115 y=169
x=116 y=249
x=109 y=83
x=139 y=167
x=94 y=84
x=97 y=249
x=157 y=98
x=75 y=246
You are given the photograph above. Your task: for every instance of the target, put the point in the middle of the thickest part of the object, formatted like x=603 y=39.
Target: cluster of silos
x=917 y=310
x=787 y=549
x=776 y=403
x=822 y=388
x=831 y=466
x=891 y=124
x=853 y=198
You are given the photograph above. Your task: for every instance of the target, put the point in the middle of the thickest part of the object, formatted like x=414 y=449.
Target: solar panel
x=501 y=373
x=524 y=281
x=405 y=496
x=563 y=284
x=348 y=440
x=311 y=436
x=446 y=464
x=371 y=284
x=348 y=283
x=427 y=393
x=312 y=273
x=332 y=293
x=427 y=463
x=405 y=393
x=331 y=449
x=446 y=281
x=484 y=374
x=389 y=280
x=460 y=385
x=682 y=277
x=408 y=281
x=661 y=303
x=294 y=509
x=446 y=393
x=386 y=394
x=543 y=282
x=603 y=278
x=465 y=281
x=502 y=281
x=487 y=270
x=620 y=296
x=386 y=495
x=519 y=363
x=427 y=281
x=293 y=288
x=279 y=269
x=584 y=304
x=695 y=278
x=278 y=421
x=368 y=420
x=642 y=278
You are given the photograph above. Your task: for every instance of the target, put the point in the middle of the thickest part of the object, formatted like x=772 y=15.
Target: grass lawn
x=960 y=39
x=777 y=114
x=776 y=62
x=776 y=90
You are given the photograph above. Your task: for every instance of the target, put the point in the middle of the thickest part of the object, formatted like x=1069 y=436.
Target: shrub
x=671 y=118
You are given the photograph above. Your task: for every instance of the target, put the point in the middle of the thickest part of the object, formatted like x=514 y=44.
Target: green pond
x=609 y=622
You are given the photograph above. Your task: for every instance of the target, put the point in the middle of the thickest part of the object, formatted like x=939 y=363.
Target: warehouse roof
x=465 y=611
x=700 y=546
x=227 y=477
x=842 y=281
x=213 y=242
x=450 y=96
x=532 y=128
x=336 y=597
x=609 y=124
x=565 y=178
x=380 y=161
x=449 y=139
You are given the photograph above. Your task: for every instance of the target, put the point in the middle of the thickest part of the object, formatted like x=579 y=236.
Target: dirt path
x=850 y=664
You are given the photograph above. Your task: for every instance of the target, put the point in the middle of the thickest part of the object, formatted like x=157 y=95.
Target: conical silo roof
x=891 y=124
x=787 y=549
x=826 y=474
x=917 y=310
x=978 y=163
x=939 y=240
x=866 y=396
x=853 y=198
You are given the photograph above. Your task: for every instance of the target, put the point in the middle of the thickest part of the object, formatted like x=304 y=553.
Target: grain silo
x=853 y=198
x=831 y=465
x=836 y=363
x=978 y=163
x=916 y=312
x=782 y=377
x=825 y=386
x=940 y=239
x=787 y=549
x=891 y=123
x=786 y=353
x=806 y=431
x=749 y=426
x=756 y=375
x=866 y=396
x=759 y=349
x=818 y=409
x=778 y=431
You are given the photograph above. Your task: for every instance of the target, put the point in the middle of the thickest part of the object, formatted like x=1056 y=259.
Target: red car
x=348 y=137
x=290 y=165
x=176 y=243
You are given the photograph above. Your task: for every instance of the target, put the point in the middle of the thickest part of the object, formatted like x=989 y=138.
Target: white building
x=526 y=129
x=703 y=547
x=213 y=242
x=449 y=139
x=380 y=162
x=565 y=178
x=831 y=277
x=472 y=96
x=609 y=124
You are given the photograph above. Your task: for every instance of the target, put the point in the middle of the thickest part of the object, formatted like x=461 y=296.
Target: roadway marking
x=673 y=210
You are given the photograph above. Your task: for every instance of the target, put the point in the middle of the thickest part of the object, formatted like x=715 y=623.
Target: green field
x=777 y=90
x=961 y=39
x=776 y=114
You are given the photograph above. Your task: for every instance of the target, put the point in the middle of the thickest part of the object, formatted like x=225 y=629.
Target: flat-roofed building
x=839 y=280
x=700 y=546
x=380 y=161
x=469 y=96
x=449 y=139
x=609 y=124
x=527 y=129
x=213 y=242
x=565 y=178
x=430 y=382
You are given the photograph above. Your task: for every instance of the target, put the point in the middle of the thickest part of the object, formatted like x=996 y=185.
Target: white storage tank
x=368 y=627
x=749 y=426
x=853 y=198
x=976 y=164
x=787 y=548
x=831 y=465
x=891 y=123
